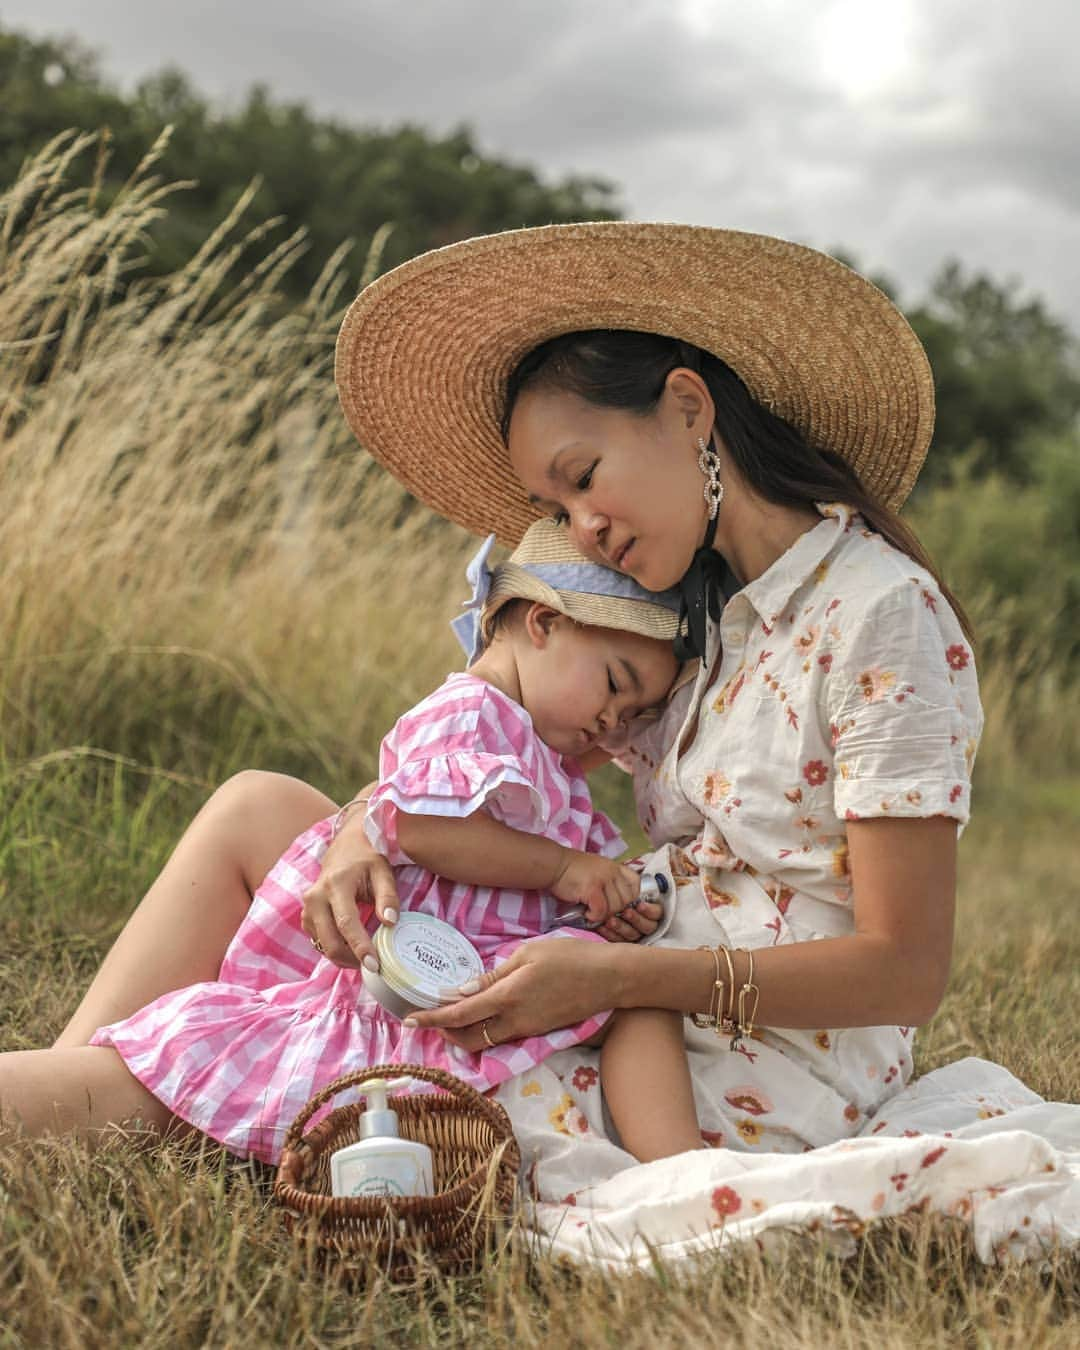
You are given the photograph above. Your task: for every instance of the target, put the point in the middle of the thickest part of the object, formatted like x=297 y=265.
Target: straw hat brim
x=425 y=351
x=601 y=611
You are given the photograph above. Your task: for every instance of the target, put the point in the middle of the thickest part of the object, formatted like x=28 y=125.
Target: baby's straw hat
x=546 y=567
x=425 y=351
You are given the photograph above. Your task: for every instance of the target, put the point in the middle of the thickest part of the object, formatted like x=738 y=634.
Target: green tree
x=1006 y=375
x=336 y=180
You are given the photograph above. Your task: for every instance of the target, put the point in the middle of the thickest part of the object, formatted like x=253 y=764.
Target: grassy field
x=199 y=575
x=169 y=1245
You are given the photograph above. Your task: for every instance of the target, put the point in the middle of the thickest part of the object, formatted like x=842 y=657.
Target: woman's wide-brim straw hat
x=425 y=351
x=547 y=568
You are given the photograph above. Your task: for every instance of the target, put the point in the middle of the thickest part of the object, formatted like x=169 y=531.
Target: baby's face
x=589 y=681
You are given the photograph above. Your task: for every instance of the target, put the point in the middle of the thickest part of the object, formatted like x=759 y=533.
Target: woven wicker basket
x=475 y=1160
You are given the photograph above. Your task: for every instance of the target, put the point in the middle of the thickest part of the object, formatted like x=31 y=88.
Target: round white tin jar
x=422 y=959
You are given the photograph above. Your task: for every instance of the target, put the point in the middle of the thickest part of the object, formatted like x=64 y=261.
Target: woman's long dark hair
x=617 y=368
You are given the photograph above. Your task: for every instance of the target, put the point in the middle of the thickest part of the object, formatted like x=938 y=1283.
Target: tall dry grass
x=196 y=555
x=199 y=571
x=194 y=550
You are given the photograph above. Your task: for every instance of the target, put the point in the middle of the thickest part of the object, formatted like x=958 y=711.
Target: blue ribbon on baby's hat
x=586 y=578
x=467 y=626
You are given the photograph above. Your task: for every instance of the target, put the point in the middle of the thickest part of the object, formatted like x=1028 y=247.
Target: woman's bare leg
x=646 y=1081
x=79 y=1091
x=181 y=928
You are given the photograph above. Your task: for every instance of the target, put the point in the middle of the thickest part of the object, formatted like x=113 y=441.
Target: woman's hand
x=632 y=923
x=353 y=876
x=544 y=985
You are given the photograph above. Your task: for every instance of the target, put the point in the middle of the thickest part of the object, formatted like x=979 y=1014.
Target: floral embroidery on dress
x=780 y=895
x=749 y=1099
x=715 y=853
x=726 y=1201
x=717 y=898
x=875 y=683
x=683 y=867
x=815 y=771
x=717 y=787
x=730 y=692
x=806 y=642
x=567 y=1118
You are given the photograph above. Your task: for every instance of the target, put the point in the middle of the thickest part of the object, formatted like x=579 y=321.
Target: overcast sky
x=907 y=131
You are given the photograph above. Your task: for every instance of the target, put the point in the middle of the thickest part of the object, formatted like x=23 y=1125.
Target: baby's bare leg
x=646 y=1081
x=182 y=926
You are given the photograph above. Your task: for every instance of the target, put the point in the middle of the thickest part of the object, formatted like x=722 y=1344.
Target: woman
x=817 y=772
x=746 y=431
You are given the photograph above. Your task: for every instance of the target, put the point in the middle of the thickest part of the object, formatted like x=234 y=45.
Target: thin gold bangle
x=339 y=819
x=705 y=1020
x=731 y=982
x=743 y=1025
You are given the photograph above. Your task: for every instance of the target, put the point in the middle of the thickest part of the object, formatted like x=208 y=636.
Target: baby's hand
x=602 y=885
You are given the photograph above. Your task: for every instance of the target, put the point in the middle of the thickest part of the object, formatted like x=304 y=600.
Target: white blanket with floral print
x=968 y=1140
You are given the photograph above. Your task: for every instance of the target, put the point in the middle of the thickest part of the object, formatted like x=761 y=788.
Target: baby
x=563 y=654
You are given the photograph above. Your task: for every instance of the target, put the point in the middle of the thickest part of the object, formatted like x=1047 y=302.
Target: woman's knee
x=265 y=793
x=261 y=812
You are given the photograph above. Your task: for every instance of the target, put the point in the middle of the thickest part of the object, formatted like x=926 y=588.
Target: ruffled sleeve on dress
x=903 y=708
x=459 y=750
x=453 y=785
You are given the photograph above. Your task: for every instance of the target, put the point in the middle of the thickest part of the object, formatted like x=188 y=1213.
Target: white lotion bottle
x=381 y=1163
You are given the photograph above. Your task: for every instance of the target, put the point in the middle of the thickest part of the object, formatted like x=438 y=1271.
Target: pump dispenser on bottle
x=381 y=1163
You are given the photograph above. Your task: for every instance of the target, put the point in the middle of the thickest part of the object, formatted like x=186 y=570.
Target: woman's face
x=627 y=487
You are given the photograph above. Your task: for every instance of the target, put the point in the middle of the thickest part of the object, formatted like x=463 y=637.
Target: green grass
x=177 y=1245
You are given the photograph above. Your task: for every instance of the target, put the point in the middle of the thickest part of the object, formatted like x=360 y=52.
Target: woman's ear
x=540 y=620
x=690 y=399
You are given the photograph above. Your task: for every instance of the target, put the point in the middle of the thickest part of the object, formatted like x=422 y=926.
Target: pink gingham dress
x=239 y=1056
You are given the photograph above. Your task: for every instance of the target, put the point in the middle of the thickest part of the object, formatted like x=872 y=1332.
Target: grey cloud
x=736 y=119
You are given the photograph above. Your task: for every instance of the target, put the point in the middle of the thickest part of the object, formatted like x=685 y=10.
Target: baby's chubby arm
x=480 y=851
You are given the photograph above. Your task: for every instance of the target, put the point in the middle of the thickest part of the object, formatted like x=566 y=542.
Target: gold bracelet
x=339 y=819
x=716 y=995
x=731 y=984
x=743 y=1025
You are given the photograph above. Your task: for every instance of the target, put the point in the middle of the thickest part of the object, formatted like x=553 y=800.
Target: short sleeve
x=903 y=709
x=456 y=784
x=460 y=750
